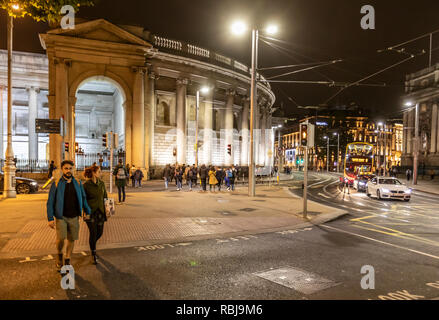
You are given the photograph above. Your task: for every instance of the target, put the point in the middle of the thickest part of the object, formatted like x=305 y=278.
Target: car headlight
x=385 y=190
x=409 y=191
x=34 y=183
x=361 y=183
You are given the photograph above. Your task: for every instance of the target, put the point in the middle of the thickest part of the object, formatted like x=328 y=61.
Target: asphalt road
x=399 y=240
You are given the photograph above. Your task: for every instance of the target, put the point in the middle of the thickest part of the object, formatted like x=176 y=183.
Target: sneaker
x=59 y=261
x=67 y=261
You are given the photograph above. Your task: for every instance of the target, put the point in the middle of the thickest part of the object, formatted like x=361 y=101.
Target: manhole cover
x=247 y=209
x=299 y=280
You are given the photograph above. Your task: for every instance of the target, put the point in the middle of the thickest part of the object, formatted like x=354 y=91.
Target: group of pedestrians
x=190 y=175
x=69 y=200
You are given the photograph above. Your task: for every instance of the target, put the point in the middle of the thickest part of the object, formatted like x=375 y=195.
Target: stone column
x=207 y=137
x=434 y=118
x=2 y=152
x=62 y=110
x=181 y=120
x=138 y=119
x=228 y=159
x=149 y=118
x=245 y=132
x=437 y=131
x=263 y=150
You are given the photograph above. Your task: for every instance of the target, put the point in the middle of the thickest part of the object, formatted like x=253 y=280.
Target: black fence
x=82 y=161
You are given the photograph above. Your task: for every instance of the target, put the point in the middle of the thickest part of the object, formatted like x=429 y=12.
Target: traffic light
x=66 y=146
x=104 y=140
x=76 y=147
x=229 y=149
x=303 y=135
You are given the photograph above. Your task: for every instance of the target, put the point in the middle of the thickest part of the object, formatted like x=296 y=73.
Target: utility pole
x=253 y=105
x=416 y=146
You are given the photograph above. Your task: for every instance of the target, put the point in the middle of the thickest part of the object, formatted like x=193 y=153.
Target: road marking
x=383 y=242
x=323 y=195
x=49 y=257
x=83 y=253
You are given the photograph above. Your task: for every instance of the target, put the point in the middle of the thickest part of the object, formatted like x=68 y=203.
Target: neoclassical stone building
x=421 y=88
x=101 y=77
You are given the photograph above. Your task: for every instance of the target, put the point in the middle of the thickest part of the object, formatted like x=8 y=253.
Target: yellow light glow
x=16 y=6
x=272 y=29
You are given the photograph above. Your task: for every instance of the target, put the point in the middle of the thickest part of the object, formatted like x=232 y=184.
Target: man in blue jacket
x=66 y=202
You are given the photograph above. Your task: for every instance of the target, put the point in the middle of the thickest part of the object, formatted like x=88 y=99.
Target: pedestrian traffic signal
x=304 y=135
x=76 y=147
x=105 y=140
x=229 y=149
x=66 y=146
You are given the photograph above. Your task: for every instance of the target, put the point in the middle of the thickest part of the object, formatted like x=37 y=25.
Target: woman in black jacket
x=96 y=192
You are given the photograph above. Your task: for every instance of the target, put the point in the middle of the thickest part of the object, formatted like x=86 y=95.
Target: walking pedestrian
x=133 y=180
x=186 y=175
x=432 y=174
x=172 y=173
x=121 y=174
x=213 y=181
x=178 y=177
x=166 y=174
x=219 y=174
x=194 y=176
x=203 y=176
x=232 y=178
x=127 y=167
x=52 y=168
x=408 y=174
x=66 y=202
x=96 y=194
x=138 y=176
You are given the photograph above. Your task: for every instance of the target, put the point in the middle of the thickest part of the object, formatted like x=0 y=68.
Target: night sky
x=310 y=30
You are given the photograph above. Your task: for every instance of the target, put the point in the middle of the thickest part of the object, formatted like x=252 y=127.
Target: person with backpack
x=226 y=179
x=121 y=174
x=133 y=180
x=203 y=176
x=96 y=194
x=194 y=175
x=138 y=176
x=189 y=177
x=220 y=175
x=65 y=204
x=232 y=178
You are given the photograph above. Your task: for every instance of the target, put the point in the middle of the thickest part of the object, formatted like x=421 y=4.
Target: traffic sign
x=48 y=126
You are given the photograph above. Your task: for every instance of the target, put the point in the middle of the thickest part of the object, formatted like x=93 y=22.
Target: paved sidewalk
x=161 y=217
x=424 y=184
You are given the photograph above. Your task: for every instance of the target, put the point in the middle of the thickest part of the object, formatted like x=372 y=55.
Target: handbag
x=110 y=209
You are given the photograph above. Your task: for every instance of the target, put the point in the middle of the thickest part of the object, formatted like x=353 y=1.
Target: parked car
x=361 y=181
x=22 y=185
x=388 y=188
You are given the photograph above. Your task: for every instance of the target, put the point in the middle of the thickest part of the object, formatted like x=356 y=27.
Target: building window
x=163 y=114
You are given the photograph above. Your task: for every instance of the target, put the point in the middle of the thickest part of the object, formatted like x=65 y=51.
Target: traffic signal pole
x=305 y=186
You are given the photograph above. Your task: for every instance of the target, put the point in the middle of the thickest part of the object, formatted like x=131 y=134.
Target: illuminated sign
x=321 y=124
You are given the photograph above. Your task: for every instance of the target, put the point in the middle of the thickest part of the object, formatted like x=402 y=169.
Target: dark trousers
x=121 y=190
x=96 y=230
x=203 y=183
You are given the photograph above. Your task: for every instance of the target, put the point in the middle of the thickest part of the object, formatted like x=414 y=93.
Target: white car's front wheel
x=367 y=192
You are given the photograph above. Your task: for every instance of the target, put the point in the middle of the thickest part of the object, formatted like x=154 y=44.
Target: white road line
x=325 y=196
x=389 y=244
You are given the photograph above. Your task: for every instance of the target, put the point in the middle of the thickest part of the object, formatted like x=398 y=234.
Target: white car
x=388 y=188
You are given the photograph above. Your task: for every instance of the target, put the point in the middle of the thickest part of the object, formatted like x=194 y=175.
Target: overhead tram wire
x=302 y=70
x=293 y=65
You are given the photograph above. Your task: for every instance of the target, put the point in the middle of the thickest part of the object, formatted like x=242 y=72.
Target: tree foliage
x=42 y=10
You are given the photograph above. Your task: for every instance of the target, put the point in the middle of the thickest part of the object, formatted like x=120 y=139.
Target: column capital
x=152 y=75
x=138 y=69
x=231 y=92
x=32 y=88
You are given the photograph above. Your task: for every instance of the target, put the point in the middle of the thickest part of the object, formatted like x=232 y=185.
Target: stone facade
x=102 y=77
x=421 y=89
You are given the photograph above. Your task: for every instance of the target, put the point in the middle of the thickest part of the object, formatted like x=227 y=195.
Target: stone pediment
x=101 y=30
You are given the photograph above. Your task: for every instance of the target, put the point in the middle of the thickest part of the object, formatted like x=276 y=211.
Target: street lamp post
x=9 y=169
x=327 y=153
x=240 y=28
x=416 y=149
x=338 y=151
x=197 y=108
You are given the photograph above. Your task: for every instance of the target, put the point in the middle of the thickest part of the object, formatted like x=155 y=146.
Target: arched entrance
x=100 y=108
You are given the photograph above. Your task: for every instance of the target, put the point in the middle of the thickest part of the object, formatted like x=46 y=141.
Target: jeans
x=179 y=184
x=96 y=230
x=166 y=183
x=121 y=190
x=138 y=183
x=203 y=182
x=190 y=183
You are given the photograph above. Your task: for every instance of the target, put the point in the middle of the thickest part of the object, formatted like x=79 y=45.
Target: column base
x=9 y=194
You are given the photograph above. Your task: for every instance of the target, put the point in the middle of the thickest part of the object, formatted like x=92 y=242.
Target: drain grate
x=299 y=280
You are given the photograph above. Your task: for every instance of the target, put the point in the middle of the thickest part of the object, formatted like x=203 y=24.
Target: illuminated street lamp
x=203 y=90
x=9 y=168
x=239 y=28
x=416 y=142
x=338 y=150
x=327 y=153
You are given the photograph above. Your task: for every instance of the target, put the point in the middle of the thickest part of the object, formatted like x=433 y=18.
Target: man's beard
x=67 y=176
